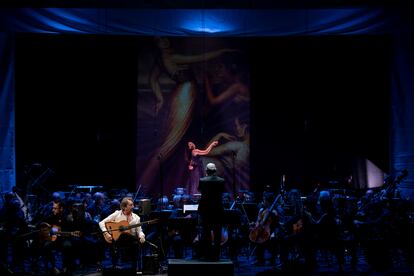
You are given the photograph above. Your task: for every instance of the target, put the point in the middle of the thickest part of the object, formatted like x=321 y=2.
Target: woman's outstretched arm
x=205 y=151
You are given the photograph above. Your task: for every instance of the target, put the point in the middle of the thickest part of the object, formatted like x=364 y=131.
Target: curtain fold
x=7 y=147
x=184 y=22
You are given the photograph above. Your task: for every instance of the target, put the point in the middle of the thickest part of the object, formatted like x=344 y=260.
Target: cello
x=261 y=232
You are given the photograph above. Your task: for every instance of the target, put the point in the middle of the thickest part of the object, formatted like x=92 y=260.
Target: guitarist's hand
x=142 y=239
x=108 y=237
x=253 y=225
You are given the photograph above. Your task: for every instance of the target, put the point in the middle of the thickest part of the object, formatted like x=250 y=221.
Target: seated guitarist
x=49 y=239
x=120 y=237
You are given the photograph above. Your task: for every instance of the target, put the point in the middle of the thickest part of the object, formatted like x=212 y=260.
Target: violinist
x=263 y=232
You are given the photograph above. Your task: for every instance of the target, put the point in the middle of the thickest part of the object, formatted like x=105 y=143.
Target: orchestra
x=288 y=224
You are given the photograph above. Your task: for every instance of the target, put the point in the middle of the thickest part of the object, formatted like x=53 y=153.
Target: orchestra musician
x=50 y=240
x=179 y=226
x=264 y=227
x=12 y=224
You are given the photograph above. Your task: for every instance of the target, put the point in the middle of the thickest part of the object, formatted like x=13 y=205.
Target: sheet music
x=190 y=207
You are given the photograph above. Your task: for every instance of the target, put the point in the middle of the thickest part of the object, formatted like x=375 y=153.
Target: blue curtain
x=185 y=22
x=7 y=152
x=402 y=125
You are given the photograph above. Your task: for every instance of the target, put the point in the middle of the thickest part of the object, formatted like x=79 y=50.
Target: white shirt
x=118 y=216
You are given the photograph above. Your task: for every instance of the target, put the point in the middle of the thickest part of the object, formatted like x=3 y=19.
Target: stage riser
x=178 y=267
x=116 y=272
x=150 y=265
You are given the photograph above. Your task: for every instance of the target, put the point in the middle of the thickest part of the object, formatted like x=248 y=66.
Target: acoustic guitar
x=52 y=232
x=115 y=229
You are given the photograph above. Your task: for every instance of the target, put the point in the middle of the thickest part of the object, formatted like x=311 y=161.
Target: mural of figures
x=228 y=93
x=181 y=98
x=232 y=156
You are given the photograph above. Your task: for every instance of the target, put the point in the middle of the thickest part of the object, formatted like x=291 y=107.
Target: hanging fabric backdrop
x=215 y=23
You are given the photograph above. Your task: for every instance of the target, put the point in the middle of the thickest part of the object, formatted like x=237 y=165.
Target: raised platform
x=194 y=267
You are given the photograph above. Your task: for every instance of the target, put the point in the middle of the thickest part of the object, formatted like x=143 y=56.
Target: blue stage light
x=207 y=22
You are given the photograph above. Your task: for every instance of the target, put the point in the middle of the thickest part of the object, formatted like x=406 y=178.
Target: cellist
x=263 y=229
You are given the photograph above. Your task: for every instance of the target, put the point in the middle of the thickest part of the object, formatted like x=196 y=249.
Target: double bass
x=262 y=232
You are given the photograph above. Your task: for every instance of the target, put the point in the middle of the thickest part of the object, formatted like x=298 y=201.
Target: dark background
x=317 y=103
x=76 y=108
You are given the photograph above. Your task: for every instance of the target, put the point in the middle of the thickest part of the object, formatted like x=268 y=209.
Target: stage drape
x=7 y=147
x=226 y=23
x=402 y=100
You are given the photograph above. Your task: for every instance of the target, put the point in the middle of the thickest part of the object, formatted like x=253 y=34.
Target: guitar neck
x=133 y=226
x=140 y=224
x=65 y=234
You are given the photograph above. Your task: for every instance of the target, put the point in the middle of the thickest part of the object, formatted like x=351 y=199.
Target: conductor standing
x=210 y=212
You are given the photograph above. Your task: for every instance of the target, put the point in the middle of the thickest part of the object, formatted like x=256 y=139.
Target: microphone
x=153 y=245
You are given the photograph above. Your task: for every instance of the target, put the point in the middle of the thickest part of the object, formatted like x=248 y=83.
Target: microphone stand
x=139 y=188
x=155 y=257
x=161 y=182
x=153 y=245
x=73 y=190
x=234 y=173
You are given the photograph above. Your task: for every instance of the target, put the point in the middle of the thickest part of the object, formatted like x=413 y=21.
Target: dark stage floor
x=244 y=265
x=326 y=266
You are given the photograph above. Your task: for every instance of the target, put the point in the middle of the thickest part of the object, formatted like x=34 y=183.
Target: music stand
x=232 y=217
x=190 y=207
x=249 y=210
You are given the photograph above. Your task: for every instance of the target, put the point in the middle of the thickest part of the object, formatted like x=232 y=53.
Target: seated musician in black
x=326 y=230
x=180 y=227
x=87 y=245
x=97 y=207
x=44 y=210
x=12 y=228
x=124 y=239
x=263 y=232
x=210 y=213
x=49 y=239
